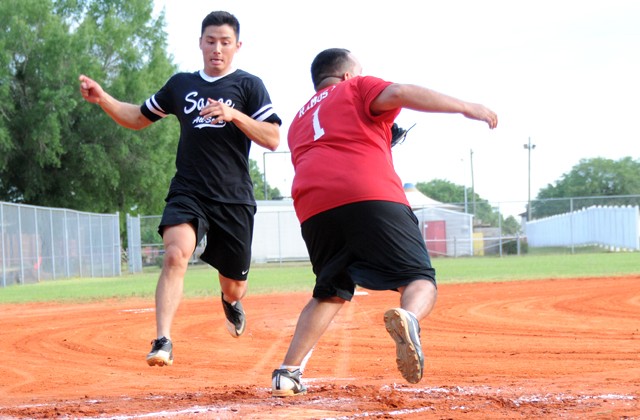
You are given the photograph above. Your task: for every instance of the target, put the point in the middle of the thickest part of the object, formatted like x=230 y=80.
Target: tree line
x=591 y=182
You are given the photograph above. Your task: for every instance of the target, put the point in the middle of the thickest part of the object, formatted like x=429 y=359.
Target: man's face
x=218 y=45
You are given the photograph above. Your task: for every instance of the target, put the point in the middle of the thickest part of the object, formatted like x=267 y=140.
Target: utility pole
x=466 y=195
x=529 y=148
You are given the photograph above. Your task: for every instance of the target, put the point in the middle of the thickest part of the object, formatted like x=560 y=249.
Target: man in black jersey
x=221 y=111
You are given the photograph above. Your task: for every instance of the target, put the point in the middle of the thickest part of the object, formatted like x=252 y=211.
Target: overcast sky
x=564 y=73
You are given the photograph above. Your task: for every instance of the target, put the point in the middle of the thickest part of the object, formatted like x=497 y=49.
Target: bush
x=511 y=247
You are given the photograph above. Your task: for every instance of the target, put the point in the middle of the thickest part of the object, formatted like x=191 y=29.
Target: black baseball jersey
x=212 y=161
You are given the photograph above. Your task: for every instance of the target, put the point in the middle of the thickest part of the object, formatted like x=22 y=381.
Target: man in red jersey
x=354 y=214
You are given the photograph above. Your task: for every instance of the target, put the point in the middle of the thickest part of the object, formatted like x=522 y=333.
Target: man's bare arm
x=126 y=114
x=422 y=99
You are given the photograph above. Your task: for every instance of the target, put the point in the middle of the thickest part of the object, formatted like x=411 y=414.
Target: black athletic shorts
x=229 y=230
x=373 y=244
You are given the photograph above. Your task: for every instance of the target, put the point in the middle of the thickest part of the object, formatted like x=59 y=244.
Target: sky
x=564 y=75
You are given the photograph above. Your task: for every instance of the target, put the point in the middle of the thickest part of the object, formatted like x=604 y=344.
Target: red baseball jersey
x=341 y=152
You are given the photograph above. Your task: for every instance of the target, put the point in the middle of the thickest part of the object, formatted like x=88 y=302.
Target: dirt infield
x=527 y=349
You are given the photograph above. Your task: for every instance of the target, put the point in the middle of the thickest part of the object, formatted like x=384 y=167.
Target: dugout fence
x=45 y=243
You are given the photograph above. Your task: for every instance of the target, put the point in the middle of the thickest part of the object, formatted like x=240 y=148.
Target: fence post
x=67 y=257
x=117 y=258
x=134 y=244
x=455 y=247
x=500 y=230
x=129 y=223
x=91 y=245
x=53 y=260
x=37 y=236
x=79 y=244
x=21 y=279
x=102 y=245
x=573 y=250
x=4 y=257
x=279 y=240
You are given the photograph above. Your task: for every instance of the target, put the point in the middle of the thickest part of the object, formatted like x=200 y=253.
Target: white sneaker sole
x=407 y=358
x=161 y=358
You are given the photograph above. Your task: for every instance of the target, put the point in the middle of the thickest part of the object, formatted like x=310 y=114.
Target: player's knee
x=174 y=257
x=233 y=289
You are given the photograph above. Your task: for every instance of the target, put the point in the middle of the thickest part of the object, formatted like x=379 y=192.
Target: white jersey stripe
x=154 y=107
x=263 y=113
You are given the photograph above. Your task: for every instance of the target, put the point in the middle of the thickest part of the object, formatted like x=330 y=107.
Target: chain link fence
x=44 y=243
x=447 y=232
x=40 y=243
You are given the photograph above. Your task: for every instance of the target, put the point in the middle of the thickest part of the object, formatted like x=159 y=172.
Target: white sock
x=230 y=303
x=306 y=359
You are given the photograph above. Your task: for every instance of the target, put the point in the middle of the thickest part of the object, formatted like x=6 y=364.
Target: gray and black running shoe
x=404 y=328
x=235 y=317
x=161 y=353
x=285 y=383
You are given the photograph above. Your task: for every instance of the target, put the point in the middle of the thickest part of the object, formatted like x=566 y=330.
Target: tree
x=510 y=226
x=448 y=192
x=258 y=183
x=589 y=181
x=55 y=148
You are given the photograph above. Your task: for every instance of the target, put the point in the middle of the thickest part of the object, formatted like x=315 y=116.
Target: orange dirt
x=526 y=349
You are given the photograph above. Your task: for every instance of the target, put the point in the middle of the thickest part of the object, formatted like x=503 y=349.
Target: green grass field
x=201 y=280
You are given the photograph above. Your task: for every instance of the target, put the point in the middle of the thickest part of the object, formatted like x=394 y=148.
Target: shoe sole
x=232 y=329
x=159 y=360
x=230 y=326
x=278 y=387
x=287 y=393
x=407 y=357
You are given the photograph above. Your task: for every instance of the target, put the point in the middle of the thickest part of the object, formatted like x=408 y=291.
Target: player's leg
x=391 y=255
x=228 y=250
x=418 y=297
x=233 y=290
x=312 y=323
x=232 y=293
x=403 y=324
x=179 y=243
x=324 y=236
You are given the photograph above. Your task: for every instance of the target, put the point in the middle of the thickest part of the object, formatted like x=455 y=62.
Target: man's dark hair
x=220 y=18
x=333 y=62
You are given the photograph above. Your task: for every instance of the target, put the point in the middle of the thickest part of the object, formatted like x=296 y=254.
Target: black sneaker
x=235 y=317
x=404 y=328
x=161 y=353
x=285 y=383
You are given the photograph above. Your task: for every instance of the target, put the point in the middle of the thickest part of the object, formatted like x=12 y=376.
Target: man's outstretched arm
x=423 y=99
x=126 y=114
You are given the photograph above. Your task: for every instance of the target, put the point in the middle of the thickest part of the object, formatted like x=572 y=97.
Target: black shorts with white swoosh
x=228 y=229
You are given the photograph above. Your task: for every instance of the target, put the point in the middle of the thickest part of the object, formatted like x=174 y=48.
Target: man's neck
x=328 y=81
